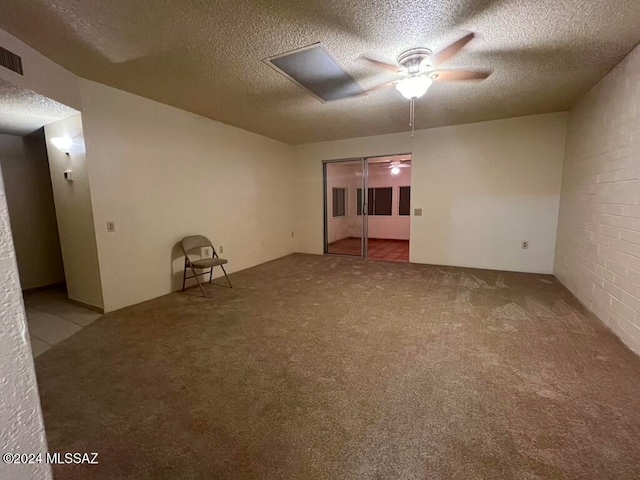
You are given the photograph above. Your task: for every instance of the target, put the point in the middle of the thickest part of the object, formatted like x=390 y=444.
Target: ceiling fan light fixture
x=414 y=87
x=395 y=171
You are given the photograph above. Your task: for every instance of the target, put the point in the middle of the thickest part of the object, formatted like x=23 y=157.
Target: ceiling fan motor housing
x=413 y=60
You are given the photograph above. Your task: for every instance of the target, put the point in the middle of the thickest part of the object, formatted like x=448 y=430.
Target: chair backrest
x=195 y=241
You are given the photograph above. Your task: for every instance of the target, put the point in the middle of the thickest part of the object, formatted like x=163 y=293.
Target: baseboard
x=87 y=305
x=53 y=286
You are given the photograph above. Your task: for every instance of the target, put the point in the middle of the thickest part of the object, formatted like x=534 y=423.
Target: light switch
x=68 y=175
x=111 y=227
x=417 y=212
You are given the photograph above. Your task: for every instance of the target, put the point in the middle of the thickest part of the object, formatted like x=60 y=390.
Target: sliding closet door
x=344 y=221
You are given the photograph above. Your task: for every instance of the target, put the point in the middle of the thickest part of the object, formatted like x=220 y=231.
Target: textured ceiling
x=206 y=56
x=23 y=111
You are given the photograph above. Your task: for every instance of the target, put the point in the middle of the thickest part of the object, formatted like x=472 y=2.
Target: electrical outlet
x=525 y=244
x=111 y=227
x=206 y=252
x=221 y=249
x=417 y=212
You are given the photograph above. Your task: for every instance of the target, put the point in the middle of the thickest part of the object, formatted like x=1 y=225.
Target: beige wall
x=74 y=213
x=21 y=426
x=598 y=251
x=483 y=188
x=160 y=174
x=25 y=168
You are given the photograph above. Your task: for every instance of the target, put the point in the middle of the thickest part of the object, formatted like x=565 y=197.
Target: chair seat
x=208 y=262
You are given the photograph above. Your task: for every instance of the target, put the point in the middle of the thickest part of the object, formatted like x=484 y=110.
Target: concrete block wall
x=598 y=247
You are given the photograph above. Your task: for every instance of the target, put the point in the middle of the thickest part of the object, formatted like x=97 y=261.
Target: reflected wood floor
x=329 y=367
x=378 y=248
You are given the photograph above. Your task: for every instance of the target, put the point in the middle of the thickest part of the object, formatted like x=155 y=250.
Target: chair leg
x=199 y=284
x=225 y=274
x=211 y=275
x=184 y=276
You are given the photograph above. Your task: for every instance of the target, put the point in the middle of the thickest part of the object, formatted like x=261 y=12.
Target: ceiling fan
x=420 y=68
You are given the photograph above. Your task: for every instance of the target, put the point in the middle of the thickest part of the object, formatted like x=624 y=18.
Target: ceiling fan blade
x=451 y=51
x=459 y=75
x=374 y=89
x=383 y=65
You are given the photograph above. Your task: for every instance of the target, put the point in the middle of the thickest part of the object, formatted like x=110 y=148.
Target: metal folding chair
x=197 y=242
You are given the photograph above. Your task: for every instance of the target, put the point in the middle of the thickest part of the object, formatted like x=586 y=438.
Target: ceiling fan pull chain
x=412 y=114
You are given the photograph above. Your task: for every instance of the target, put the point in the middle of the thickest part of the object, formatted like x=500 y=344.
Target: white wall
x=483 y=188
x=74 y=213
x=598 y=250
x=160 y=174
x=25 y=168
x=22 y=429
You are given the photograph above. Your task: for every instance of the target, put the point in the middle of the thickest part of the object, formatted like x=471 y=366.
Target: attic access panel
x=314 y=69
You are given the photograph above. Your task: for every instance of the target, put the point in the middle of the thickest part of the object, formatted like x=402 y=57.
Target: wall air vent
x=314 y=69
x=10 y=60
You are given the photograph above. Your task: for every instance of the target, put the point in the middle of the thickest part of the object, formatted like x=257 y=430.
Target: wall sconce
x=63 y=144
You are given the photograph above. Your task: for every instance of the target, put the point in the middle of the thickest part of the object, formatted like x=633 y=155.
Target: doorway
x=374 y=225
x=45 y=184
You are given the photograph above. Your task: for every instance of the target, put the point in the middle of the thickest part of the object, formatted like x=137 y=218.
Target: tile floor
x=52 y=318
x=379 y=249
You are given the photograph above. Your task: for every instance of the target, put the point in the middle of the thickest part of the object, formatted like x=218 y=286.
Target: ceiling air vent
x=314 y=69
x=10 y=60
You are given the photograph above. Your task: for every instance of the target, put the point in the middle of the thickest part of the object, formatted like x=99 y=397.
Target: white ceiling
x=206 y=56
x=23 y=111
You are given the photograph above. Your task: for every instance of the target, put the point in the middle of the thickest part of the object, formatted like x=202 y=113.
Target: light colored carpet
x=338 y=368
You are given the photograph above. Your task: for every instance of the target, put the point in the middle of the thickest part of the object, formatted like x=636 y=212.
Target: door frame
x=365 y=189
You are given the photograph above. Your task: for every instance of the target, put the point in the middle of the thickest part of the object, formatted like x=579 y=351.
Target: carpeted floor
x=339 y=368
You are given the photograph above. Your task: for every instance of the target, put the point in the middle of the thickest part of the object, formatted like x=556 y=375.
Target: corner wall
x=598 y=249
x=20 y=415
x=73 y=201
x=483 y=188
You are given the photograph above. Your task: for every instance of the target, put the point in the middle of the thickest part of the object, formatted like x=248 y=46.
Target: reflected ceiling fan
x=395 y=165
x=420 y=67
